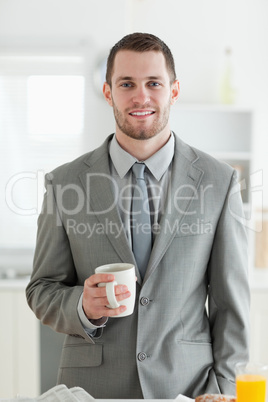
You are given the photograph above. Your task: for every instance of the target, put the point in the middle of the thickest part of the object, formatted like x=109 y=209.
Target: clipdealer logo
x=254 y=188
x=72 y=198
x=196 y=227
x=37 y=183
x=255 y=193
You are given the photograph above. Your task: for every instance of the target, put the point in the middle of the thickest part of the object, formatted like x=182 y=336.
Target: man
x=169 y=345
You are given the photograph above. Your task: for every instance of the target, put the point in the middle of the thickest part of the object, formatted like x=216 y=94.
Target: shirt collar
x=121 y=159
x=157 y=163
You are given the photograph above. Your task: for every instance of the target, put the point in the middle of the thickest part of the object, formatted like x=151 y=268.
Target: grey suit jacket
x=169 y=345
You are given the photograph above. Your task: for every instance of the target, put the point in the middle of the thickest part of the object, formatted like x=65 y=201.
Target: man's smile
x=142 y=113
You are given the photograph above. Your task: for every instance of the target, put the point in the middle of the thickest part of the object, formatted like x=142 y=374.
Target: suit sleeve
x=53 y=293
x=229 y=296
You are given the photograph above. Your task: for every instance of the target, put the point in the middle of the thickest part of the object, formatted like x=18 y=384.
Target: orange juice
x=250 y=388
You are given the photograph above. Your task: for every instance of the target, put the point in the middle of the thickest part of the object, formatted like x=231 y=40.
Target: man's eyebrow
x=128 y=78
x=123 y=78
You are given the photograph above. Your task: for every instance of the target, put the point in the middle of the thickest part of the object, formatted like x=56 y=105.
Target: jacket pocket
x=202 y=342
x=81 y=355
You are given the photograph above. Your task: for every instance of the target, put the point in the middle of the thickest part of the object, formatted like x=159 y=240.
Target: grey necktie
x=141 y=222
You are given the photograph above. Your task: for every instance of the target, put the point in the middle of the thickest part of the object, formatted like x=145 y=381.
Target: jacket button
x=142 y=356
x=144 y=301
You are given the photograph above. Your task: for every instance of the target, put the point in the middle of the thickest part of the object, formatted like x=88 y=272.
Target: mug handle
x=113 y=303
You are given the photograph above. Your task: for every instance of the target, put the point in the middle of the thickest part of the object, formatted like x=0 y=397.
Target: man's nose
x=141 y=96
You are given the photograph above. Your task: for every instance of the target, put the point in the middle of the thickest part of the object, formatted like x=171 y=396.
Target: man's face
x=141 y=94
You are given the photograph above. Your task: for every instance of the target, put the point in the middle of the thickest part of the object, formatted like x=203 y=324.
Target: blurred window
x=41 y=126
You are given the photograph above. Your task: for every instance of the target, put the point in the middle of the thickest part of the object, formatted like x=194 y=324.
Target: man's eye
x=126 y=85
x=154 y=84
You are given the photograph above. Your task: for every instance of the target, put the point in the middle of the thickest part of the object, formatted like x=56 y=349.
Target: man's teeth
x=141 y=113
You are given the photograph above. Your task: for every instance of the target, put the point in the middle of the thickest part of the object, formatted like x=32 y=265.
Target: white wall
x=197 y=32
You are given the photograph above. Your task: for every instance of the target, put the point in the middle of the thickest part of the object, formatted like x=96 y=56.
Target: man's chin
x=141 y=136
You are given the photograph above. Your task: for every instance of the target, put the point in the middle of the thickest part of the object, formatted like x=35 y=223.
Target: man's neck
x=142 y=149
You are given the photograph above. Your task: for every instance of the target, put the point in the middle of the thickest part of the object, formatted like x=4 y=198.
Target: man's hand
x=95 y=300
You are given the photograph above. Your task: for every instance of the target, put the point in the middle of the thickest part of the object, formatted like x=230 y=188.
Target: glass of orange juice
x=251 y=379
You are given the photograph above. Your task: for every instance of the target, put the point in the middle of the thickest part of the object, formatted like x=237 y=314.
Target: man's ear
x=107 y=92
x=175 y=92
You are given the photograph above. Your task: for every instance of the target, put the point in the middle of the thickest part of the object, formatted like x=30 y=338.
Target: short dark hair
x=141 y=42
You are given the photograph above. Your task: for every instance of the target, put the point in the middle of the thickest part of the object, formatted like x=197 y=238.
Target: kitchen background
x=52 y=58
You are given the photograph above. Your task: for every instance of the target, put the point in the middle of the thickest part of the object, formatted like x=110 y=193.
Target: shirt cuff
x=89 y=325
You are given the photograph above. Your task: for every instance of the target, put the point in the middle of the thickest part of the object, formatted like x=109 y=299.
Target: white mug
x=124 y=275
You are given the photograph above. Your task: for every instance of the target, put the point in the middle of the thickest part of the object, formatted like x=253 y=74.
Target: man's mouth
x=142 y=113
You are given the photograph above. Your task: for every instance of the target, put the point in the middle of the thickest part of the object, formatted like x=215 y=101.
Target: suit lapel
x=102 y=195
x=185 y=180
